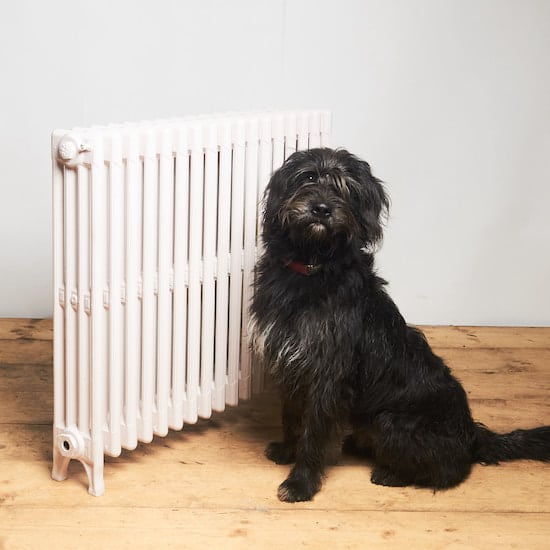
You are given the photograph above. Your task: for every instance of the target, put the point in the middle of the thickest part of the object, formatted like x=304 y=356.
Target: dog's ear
x=373 y=202
x=277 y=188
x=273 y=195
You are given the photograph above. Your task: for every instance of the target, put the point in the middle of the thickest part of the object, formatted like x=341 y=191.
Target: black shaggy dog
x=341 y=352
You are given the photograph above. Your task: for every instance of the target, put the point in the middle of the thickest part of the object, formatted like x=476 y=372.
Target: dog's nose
x=321 y=210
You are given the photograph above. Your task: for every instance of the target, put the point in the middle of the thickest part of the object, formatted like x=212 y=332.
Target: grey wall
x=448 y=101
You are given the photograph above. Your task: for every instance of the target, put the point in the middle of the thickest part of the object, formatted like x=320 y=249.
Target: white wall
x=448 y=100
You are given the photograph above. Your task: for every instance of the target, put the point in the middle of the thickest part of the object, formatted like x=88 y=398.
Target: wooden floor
x=210 y=486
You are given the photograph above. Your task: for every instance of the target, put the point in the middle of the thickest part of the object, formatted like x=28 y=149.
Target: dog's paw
x=297 y=489
x=381 y=476
x=280 y=453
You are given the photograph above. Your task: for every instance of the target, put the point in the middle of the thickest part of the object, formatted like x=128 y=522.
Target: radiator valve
x=70 y=443
x=69 y=150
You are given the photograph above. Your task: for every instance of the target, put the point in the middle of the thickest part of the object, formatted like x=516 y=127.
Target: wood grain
x=211 y=485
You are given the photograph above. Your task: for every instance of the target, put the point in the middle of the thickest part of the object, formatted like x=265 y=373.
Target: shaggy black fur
x=340 y=350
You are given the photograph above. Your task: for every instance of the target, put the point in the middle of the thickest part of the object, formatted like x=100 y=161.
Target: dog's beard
x=305 y=229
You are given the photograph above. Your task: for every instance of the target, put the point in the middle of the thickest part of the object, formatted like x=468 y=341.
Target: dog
x=339 y=350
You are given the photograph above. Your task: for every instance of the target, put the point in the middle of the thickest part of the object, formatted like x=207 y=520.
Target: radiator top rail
x=210 y=133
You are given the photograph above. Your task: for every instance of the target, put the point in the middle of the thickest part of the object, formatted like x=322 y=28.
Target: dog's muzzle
x=316 y=216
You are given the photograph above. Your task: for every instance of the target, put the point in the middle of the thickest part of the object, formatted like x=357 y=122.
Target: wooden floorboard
x=211 y=485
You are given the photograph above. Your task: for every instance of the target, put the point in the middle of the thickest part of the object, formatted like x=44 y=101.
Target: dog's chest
x=301 y=339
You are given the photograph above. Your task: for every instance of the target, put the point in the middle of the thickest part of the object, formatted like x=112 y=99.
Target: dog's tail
x=491 y=448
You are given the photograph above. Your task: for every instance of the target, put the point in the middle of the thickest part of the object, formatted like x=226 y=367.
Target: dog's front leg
x=305 y=478
x=284 y=452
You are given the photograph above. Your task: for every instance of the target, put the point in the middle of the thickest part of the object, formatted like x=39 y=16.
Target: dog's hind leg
x=284 y=452
x=360 y=443
x=435 y=456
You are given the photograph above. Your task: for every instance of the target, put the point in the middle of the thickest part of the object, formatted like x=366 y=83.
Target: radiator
x=155 y=228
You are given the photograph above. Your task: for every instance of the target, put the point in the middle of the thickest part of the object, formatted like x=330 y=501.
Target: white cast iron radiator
x=155 y=239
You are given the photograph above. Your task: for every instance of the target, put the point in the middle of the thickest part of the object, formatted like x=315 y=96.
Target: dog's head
x=324 y=198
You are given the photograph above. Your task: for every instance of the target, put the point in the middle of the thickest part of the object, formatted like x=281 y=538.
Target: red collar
x=302 y=269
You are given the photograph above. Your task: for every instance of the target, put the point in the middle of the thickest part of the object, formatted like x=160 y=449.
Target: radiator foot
x=60 y=466
x=70 y=443
x=95 y=478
